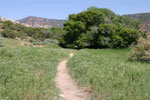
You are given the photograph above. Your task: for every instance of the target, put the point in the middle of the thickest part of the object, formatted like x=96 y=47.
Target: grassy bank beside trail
x=111 y=75
x=27 y=73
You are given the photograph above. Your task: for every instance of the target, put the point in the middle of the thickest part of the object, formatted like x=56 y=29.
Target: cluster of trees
x=99 y=28
x=11 y=30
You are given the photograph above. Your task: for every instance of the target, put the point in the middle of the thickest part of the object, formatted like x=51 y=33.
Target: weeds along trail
x=68 y=88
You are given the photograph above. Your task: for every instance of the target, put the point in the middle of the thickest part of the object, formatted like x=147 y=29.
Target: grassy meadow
x=27 y=73
x=110 y=75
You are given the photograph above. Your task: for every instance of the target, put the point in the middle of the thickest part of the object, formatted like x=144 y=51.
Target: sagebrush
x=141 y=51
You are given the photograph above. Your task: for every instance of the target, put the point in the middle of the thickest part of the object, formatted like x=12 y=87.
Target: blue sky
x=60 y=9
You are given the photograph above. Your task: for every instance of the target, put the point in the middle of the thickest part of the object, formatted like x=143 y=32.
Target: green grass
x=27 y=73
x=11 y=43
x=111 y=75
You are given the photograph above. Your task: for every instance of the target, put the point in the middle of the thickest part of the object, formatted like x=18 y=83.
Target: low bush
x=46 y=41
x=1 y=44
x=141 y=51
x=8 y=33
x=11 y=30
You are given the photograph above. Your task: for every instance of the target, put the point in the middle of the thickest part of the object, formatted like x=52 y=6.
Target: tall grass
x=27 y=73
x=110 y=75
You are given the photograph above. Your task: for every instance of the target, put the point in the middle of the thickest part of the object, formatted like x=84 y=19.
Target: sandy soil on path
x=68 y=88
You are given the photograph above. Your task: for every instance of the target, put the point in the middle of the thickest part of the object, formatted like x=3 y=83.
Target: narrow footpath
x=68 y=87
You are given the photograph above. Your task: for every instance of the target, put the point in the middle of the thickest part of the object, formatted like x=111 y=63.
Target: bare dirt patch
x=31 y=45
x=38 y=46
x=26 y=44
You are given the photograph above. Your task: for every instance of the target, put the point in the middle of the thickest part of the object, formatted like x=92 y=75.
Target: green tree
x=105 y=35
x=129 y=36
x=127 y=22
x=73 y=31
x=109 y=15
x=89 y=18
x=99 y=28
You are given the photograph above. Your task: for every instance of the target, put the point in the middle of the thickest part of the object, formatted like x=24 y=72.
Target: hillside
x=143 y=18
x=41 y=22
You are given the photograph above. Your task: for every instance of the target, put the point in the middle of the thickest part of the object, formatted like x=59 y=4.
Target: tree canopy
x=99 y=28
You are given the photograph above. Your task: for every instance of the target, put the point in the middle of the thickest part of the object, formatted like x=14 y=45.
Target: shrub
x=46 y=41
x=8 y=33
x=141 y=51
x=1 y=44
x=55 y=33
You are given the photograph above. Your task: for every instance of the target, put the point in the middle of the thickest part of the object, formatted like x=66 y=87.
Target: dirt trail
x=68 y=88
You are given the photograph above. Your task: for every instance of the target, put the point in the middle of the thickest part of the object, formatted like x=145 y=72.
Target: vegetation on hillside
x=141 y=17
x=99 y=28
x=1 y=44
x=11 y=30
x=110 y=75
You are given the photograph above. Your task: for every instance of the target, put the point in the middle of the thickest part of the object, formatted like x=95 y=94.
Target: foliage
x=127 y=22
x=89 y=18
x=109 y=15
x=36 y=33
x=141 y=51
x=110 y=75
x=54 y=33
x=12 y=30
x=1 y=43
x=142 y=17
x=99 y=28
x=7 y=24
x=74 y=30
x=8 y=33
x=45 y=42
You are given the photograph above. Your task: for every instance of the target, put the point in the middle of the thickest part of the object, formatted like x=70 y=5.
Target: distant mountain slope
x=144 y=19
x=141 y=17
x=41 y=22
x=145 y=27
